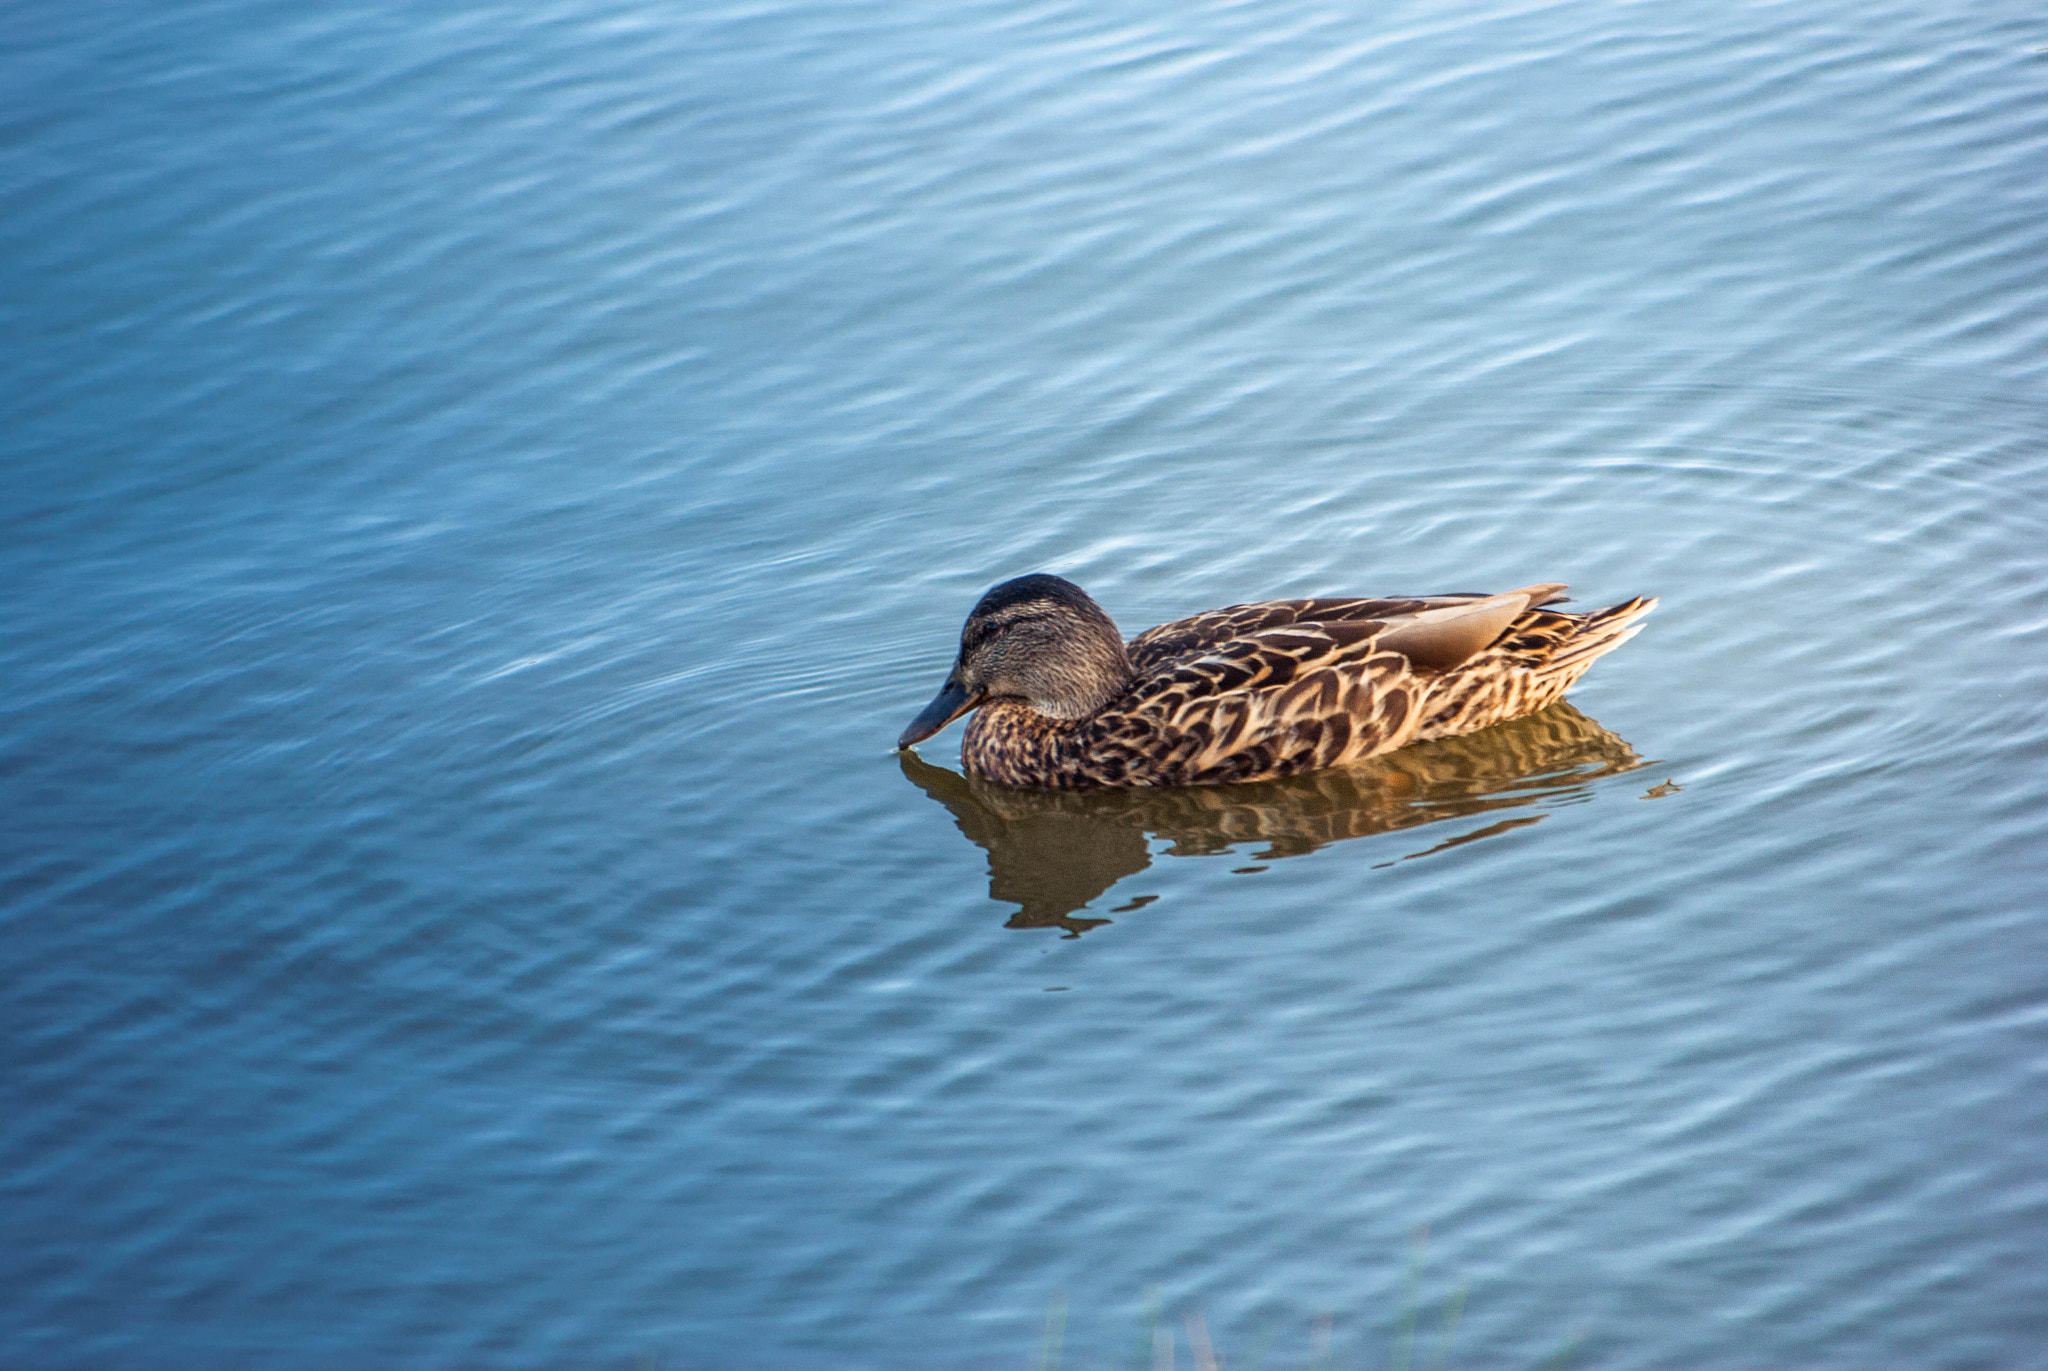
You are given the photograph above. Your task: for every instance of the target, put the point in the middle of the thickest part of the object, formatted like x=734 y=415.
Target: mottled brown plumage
x=1252 y=691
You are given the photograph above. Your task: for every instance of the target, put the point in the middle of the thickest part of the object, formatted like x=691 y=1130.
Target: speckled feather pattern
x=1288 y=686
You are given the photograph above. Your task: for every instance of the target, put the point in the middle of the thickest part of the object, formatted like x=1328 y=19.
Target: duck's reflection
x=1055 y=851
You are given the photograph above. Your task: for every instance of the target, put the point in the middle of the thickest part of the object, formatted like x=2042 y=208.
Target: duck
x=1248 y=692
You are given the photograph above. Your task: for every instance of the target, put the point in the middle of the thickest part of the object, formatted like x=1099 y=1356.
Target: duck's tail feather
x=1603 y=631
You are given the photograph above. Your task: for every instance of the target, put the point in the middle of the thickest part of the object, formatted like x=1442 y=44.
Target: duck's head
x=1038 y=639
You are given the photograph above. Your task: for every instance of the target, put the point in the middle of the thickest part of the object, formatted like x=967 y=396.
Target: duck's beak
x=949 y=704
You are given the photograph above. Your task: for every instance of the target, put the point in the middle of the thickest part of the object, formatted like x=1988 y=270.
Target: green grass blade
x=1411 y=1287
x=1148 y=1332
x=1055 y=1332
x=1564 y=1352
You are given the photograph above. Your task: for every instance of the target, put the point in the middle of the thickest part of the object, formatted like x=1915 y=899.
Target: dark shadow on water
x=1053 y=852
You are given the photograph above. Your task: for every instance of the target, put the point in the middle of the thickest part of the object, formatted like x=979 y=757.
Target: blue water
x=488 y=484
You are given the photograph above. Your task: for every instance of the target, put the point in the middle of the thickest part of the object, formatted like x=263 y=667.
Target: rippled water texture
x=486 y=486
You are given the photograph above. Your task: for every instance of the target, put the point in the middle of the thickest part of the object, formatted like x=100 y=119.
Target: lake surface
x=487 y=485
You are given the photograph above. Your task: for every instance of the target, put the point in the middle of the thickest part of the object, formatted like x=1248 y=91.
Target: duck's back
x=1156 y=647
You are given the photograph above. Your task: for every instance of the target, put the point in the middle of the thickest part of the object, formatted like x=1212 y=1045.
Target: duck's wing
x=1296 y=695
x=1155 y=647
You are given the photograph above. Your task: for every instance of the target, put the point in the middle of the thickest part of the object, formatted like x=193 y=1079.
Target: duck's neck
x=1011 y=743
x=1080 y=681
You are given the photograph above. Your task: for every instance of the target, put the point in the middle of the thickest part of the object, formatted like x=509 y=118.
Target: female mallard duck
x=1252 y=691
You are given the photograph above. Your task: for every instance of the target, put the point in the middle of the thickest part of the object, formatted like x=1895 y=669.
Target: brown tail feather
x=1604 y=631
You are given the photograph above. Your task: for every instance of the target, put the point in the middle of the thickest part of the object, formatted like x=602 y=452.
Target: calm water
x=487 y=484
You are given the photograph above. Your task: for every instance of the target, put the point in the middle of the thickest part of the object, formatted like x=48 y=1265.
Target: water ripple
x=490 y=486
